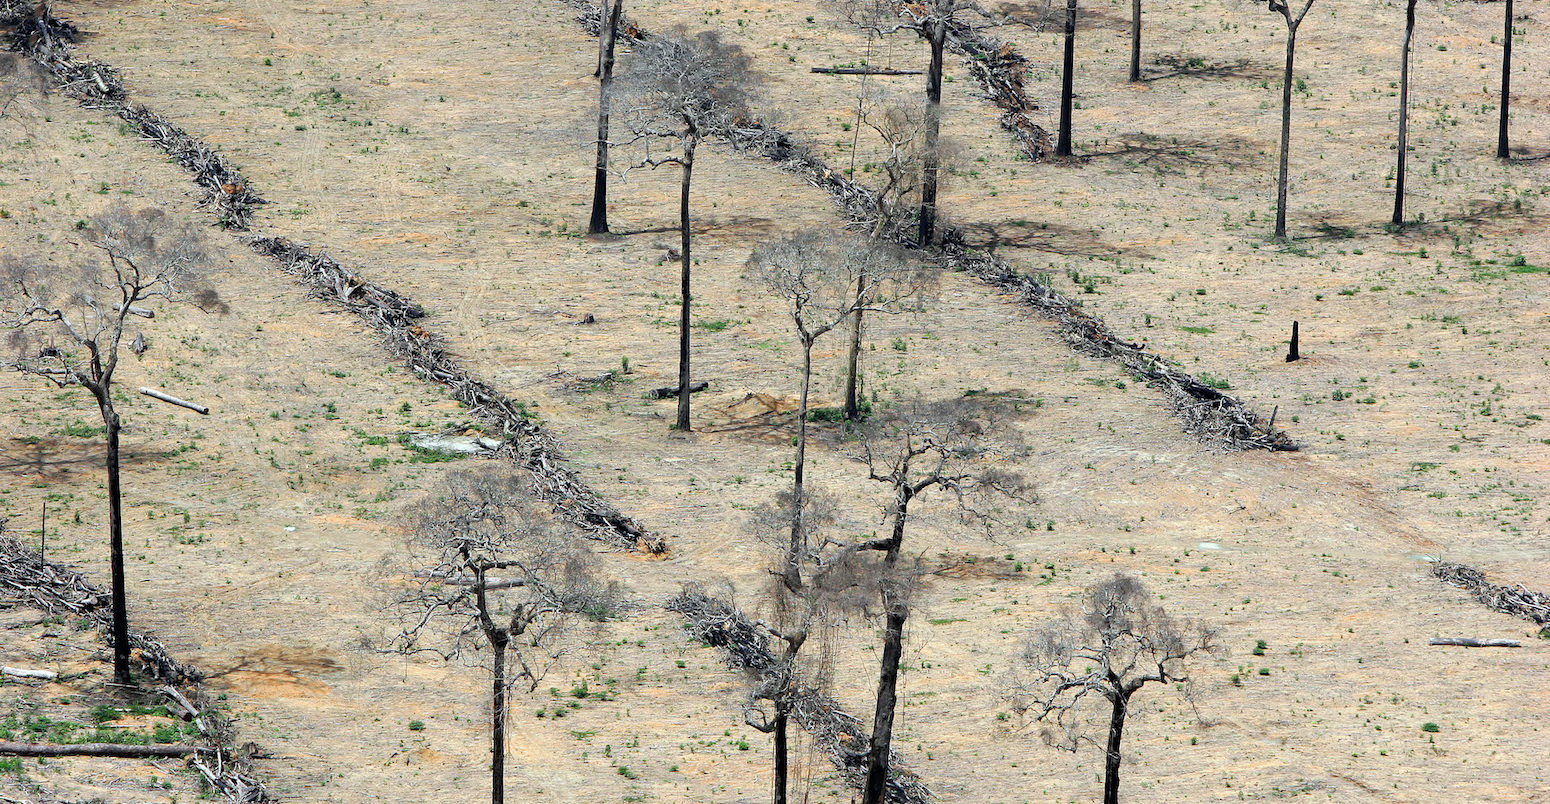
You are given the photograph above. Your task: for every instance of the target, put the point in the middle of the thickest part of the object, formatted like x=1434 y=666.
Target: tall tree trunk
x=1063 y=140
x=888 y=675
x=498 y=642
x=1501 y=131
x=1286 y=128
x=116 y=541
x=781 y=752
x=798 y=544
x=683 y=318
x=1135 y=40
x=853 y=370
x=936 y=35
x=1112 y=755
x=1404 y=116
x=605 y=80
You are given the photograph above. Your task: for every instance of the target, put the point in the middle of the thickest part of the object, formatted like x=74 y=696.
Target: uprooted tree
x=953 y=447
x=1119 y=642
x=69 y=326
x=684 y=89
x=492 y=572
x=1293 y=21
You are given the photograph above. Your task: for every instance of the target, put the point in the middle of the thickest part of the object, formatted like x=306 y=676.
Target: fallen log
x=1470 y=642
x=95 y=750
x=22 y=672
x=143 y=312
x=865 y=71
x=672 y=391
x=172 y=400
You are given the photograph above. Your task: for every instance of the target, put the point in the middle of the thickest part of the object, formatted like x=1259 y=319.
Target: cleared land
x=442 y=152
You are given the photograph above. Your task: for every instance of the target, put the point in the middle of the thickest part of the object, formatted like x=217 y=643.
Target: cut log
x=1469 y=642
x=490 y=583
x=143 y=312
x=172 y=400
x=672 y=391
x=865 y=71
x=95 y=750
x=22 y=672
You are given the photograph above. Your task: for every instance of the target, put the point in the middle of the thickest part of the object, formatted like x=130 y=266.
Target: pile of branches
x=1212 y=416
x=1519 y=601
x=530 y=446
x=48 y=41
x=25 y=576
x=837 y=733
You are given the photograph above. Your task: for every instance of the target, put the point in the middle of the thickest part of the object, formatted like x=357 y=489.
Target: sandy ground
x=440 y=151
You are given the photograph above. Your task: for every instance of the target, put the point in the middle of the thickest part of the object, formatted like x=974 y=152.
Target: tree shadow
x=1053 y=238
x=57 y=458
x=1176 y=154
x=1176 y=66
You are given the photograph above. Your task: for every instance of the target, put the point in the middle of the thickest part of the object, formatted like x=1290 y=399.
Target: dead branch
x=95 y=750
x=1470 y=642
x=172 y=400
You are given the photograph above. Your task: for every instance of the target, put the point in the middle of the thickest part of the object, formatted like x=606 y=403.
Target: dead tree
x=1292 y=22
x=950 y=446
x=1067 y=78
x=607 y=37
x=1501 y=128
x=1135 y=41
x=68 y=325
x=491 y=572
x=683 y=90
x=1404 y=115
x=930 y=20
x=1118 y=643
x=900 y=129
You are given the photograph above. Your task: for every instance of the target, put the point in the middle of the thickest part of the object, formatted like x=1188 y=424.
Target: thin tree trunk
x=798 y=485
x=853 y=370
x=936 y=34
x=1501 y=131
x=781 y=719
x=683 y=318
x=1135 y=40
x=116 y=542
x=888 y=675
x=498 y=720
x=1404 y=116
x=605 y=80
x=1063 y=140
x=1286 y=128
x=1112 y=755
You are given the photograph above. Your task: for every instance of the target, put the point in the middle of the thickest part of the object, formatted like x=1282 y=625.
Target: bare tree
x=1292 y=23
x=494 y=573
x=607 y=37
x=1135 y=40
x=900 y=129
x=68 y=324
x=1067 y=77
x=1118 y=643
x=1501 y=129
x=930 y=20
x=1404 y=115
x=950 y=446
x=684 y=89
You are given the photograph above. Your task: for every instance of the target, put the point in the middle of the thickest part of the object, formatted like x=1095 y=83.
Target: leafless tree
x=1404 y=115
x=1501 y=129
x=684 y=89
x=1067 y=77
x=951 y=446
x=1118 y=643
x=68 y=324
x=492 y=572
x=1293 y=20
x=930 y=20
x=1135 y=41
x=607 y=37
